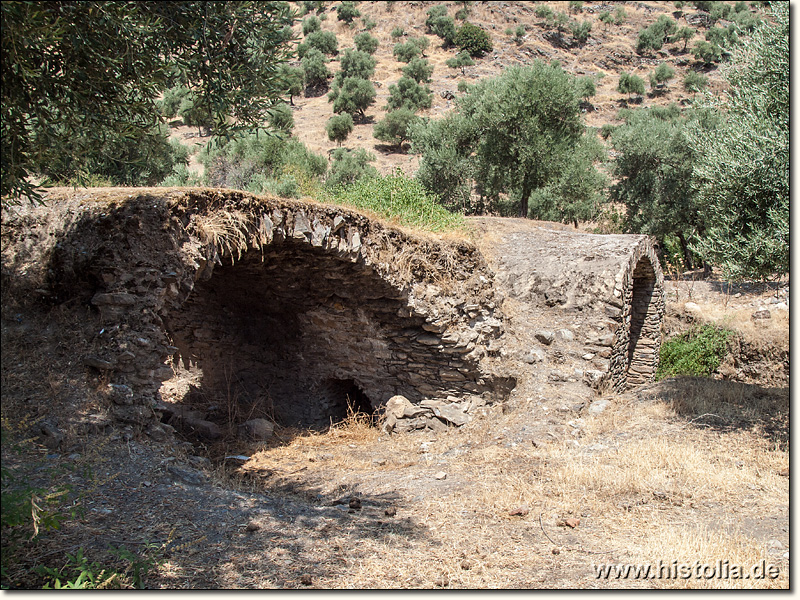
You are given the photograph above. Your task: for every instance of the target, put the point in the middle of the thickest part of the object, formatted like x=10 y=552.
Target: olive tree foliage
x=395 y=127
x=653 y=172
x=353 y=96
x=509 y=136
x=742 y=172
x=76 y=74
x=366 y=43
x=339 y=127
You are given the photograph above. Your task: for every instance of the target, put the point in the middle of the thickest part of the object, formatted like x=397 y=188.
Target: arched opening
x=340 y=398
x=643 y=332
x=294 y=332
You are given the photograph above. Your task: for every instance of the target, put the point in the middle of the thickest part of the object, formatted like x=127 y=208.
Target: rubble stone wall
x=296 y=305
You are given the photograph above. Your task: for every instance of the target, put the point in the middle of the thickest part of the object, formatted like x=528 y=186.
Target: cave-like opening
x=294 y=334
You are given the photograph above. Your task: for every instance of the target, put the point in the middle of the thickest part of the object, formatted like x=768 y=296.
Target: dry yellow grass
x=647 y=480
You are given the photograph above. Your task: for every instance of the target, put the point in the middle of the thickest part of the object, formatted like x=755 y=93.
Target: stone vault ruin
x=306 y=309
x=607 y=291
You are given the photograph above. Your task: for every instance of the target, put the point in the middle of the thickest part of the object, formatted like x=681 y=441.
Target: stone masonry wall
x=273 y=299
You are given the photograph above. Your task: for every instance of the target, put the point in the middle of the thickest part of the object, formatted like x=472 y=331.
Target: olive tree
x=742 y=171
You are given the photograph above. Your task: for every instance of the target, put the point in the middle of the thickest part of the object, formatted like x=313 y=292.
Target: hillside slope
x=609 y=50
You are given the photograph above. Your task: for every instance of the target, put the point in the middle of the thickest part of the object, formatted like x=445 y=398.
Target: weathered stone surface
x=187 y=475
x=121 y=394
x=565 y=335
x=98 y=363
x=598 y=406
x=256 y=430
x=205 y=429
x=545 y=337
x=452 y=414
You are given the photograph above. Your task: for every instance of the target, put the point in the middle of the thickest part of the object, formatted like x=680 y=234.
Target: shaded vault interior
x=297 y=331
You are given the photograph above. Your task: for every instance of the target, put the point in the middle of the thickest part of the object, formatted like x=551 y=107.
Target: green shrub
x=585 y=87
x=697 y=352
x=311 y=24
x=434 y=13
x=368 y=23
x=620 y=15
x=707 y=53
x=399 y=198
x=339 y=127
x=543 y=12
x=398 y=32
x=473 y=39
x=355 y=63
x=420 y=42
x=661 y=74
x=441 y=25
x=694 y=81
x=418 y=69
x=292 y=79
x=181 y=176
x=581 y=31
x=394 y=128
x=349 y=166
x=324 y=41
x=406 y=52
x=254 y=158
x=353 y=96
x=366 y=43
x=194 y=114
x=606 y=130
x=347 y=11
x=519 y=35
x=575 y=7
x=462 y=60
x=630 y=84
x=315 y=68
x=409 y=94
x=282 y=118
x=172 y=99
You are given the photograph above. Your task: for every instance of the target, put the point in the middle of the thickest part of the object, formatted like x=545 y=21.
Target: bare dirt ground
x=534 y=493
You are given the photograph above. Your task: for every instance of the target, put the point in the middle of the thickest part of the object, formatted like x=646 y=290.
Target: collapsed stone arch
x=297 y=305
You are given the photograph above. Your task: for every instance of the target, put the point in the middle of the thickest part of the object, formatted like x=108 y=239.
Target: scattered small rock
x=355 y=503
x=253 y=526
x=306 y=579
x=555 y=551
x=520 y=511
x=466 y=565
x=761 y=315
x=784 y=472
x=565 y=335
x=442 y=581
x=440 y=475
x=190 y=476
x=545 y=337
x=598 y=406
x=390 y=512
x=256 y=430
x=572 y=523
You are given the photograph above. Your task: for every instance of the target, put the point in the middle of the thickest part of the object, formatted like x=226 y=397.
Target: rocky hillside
x=609 y=50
